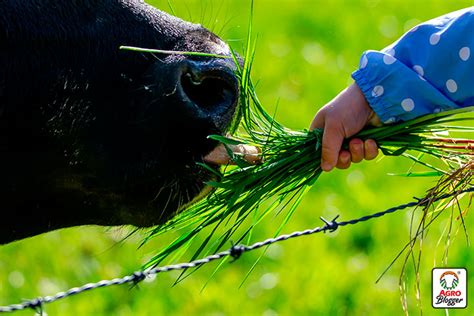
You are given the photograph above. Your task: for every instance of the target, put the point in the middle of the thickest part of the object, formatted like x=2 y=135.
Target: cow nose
x=213 y=88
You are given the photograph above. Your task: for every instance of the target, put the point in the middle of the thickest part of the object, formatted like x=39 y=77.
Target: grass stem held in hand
x=290 y=165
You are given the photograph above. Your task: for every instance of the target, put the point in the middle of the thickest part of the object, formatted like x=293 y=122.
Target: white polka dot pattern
x=390 y=52
x=464 y=53
x=388 y=60
x=428 y=70
x=419 y=70
x=434 y=38
x=390 y=120
x=377 y=91
x=408 y=105
x=452 y=86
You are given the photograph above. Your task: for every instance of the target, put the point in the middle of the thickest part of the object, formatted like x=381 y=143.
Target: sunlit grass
x=246 y=194
x=326 y=275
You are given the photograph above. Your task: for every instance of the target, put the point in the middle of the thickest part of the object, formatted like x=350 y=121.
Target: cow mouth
x=205 y=96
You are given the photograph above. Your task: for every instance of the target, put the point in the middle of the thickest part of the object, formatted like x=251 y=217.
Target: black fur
x=90 y=134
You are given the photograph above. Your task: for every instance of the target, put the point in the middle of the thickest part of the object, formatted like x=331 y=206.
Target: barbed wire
x=235 y=252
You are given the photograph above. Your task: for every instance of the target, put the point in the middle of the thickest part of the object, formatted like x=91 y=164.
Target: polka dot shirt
x=428 y=70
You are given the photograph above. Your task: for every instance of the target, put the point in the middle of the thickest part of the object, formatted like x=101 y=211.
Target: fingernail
x=326 y=166
x=345 y=158
x=368 y=144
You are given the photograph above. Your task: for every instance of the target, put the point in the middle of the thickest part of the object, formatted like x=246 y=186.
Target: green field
x=306 y=52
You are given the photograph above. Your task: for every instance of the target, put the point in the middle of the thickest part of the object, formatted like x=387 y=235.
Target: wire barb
x=235 y=252
x=330 y=226
x=136 y=278
x=36 y=305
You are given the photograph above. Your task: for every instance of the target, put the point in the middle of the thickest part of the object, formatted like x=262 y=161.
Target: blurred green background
x=305 y=54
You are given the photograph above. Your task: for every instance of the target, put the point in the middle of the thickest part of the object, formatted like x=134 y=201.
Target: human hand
x=341 y=118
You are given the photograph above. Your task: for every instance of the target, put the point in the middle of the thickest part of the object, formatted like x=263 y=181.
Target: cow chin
x=157 y=203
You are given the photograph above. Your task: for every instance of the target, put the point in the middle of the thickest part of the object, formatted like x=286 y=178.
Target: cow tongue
x=219 y=155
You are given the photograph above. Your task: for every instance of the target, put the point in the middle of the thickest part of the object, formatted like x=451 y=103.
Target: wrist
x=372 y=118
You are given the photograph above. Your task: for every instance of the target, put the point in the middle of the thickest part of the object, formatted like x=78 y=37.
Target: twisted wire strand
x=235 y=252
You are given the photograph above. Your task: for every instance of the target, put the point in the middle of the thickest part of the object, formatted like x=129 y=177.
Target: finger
x=371 y=149
x=344 y=160
x=318 y=121
x=333 y=137
x=356 y=147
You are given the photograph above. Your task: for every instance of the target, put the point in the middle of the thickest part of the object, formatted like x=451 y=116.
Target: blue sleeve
x=429 y=69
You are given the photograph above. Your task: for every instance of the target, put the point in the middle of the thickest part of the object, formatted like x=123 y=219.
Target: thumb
x=318 y=121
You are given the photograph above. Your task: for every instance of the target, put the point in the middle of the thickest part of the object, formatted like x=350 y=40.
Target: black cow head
x=90 y=134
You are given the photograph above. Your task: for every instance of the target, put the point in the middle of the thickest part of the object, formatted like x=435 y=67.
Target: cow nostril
x=213 y=93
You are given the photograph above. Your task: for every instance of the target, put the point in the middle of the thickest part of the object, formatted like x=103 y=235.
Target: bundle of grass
x=246 y=193
x=290 y=165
